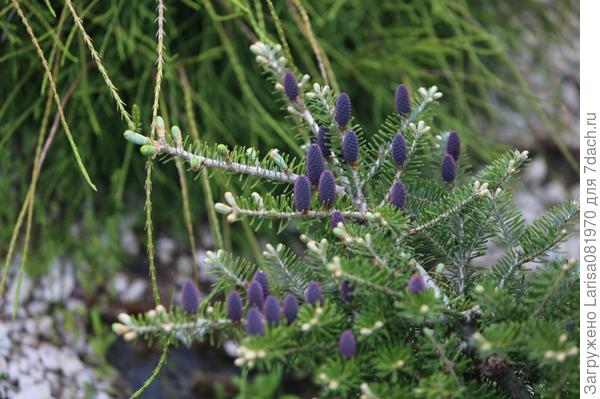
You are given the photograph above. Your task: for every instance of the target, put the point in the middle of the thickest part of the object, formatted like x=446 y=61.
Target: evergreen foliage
x=387 y=303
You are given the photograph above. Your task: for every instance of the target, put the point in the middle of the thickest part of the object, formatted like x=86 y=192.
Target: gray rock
x=536 y=171
x=45 y=324
x=120 y=283
x=24 y=292
x=37 y=391
x=49 y=355
x=36 y=308
x=165 y=249
x=529 y=205
x=135 y=291
x=32 y=356
x=59 y=283
x=70 y=364
x=13 y=370
x=130 y=243
x=184 y=266
x=554 y=193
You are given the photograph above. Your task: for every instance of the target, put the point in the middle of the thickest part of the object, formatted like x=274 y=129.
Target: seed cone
x=399 y=150
x=290 y=86
x=448 y=168
x=190 y=297
x=343 y=109
x=255 y=294
x=347 y=344
x=397 y=195
x=290 y=308
x=336 y=217
x=416 y=284
x=313 y=293
x=271 y=310
x=453 y=145
x=323 y=141
x=302 y=193
x=402 y=100
x=234 y=306
x=327 y=194
x=315 y=163
x=254 y=322
x=350 y=148
x=261 y=278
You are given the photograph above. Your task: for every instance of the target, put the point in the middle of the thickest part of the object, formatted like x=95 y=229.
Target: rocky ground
x=44 y=350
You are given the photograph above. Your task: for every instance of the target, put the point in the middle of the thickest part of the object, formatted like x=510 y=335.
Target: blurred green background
x=479 y=53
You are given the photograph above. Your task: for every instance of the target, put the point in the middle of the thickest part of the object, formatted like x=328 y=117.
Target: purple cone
x=350 y=148
x=402 y=100
x=397 y=195
x=255 y=294
x=315 y=163
x=261 y=278
x=453 y=145
x=271 y=310
x=448 y=168
x=290 y=86
x=254 y=322
x=336 y=217
x=399 y=150
x=327 y=194
x=347 y=344
x=234 y=306
x=343 y=109
x=346 y=289
x=313 y=293
x=416 y=284
x=323 y=141
x=190 y=297
x=290 y=308
x=302 y=193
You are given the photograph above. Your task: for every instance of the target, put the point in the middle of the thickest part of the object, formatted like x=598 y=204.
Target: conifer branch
x=519 y=257
x=229 y=166
x=445 y=215
x=275 y=214
x=224 y=164
x=428 y=97
x=198 y=327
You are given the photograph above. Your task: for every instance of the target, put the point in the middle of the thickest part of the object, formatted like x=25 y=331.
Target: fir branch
x=293 y=280
x=199 y=327
x=429 y=95
x=275 y=214
x=227 y=165
x=540 y=237
x=443 y=216
x=558 y=280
